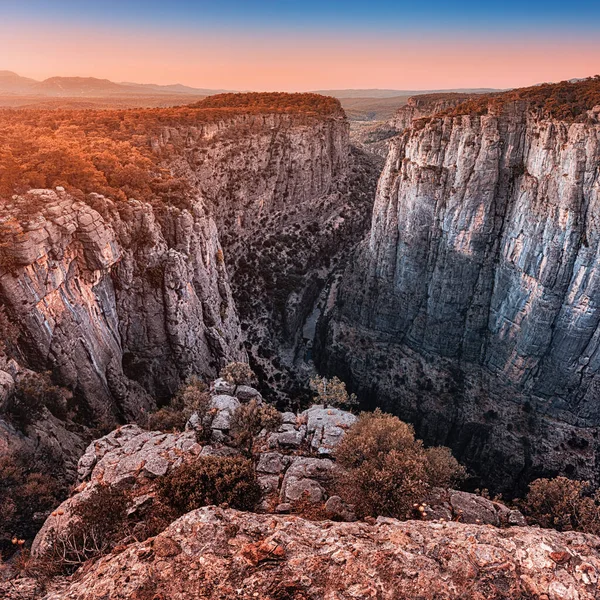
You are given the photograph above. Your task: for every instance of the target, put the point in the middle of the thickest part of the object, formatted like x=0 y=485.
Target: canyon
x=463 y=300
x=446 y=271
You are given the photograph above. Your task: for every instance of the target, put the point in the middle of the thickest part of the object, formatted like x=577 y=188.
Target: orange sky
x=295 y=61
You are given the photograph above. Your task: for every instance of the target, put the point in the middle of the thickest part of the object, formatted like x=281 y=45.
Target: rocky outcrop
x=471 y=309
x=215 y=553
x=425 y=105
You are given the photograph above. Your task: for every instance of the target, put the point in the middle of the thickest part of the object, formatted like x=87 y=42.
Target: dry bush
x=307 y=509
x=33 y=393
x=100 y=523
x=9 y=332
x=23 y=493
x=166 y=419
x=385 y=469
x=249 y=420
x=563 y=504
x=192 y=397
x=210 y=480
x=332 y=392
x=443 y=470
x=238 y=373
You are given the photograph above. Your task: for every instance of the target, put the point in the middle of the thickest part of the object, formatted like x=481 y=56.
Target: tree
x=332 y=392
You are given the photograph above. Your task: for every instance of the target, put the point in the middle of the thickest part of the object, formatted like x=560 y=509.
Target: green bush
x=211 y=480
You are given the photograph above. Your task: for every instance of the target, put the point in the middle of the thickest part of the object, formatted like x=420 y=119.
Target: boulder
x=307 y=477
x=325 y=427
x=245 y=393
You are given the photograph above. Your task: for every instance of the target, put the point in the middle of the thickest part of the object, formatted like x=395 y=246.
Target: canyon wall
x=472 y=308
x=123 y=300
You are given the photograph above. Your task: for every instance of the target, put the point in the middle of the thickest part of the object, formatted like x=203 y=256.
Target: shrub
x=249 y=420
x=332 y=392
x=100 y=523
x=24 y=491
x=211 y=480
x=385 y=469
x=192 y=397
x=238 y=373
x=9 y=332
x=563 y=504
x=32 y=394
x=166 y=419
x=443 y=470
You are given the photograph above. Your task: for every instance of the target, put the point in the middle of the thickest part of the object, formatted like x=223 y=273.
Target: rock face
x=110 y=297
x=425 y=105
x=214 y=553
x=123 y=300
x=471 y=309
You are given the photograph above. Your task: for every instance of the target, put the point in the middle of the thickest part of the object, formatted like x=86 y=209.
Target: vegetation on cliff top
x=123 y=153
x=567 y=100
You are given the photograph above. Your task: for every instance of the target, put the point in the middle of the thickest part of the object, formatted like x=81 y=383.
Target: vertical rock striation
x=472 y=308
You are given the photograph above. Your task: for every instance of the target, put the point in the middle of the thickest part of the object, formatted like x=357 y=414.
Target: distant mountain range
x=69 y=87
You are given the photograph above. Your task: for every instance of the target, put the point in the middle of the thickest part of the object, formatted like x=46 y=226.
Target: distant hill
x=375 y=93
x=177 y=88
x=11 y=83
x=77 y=86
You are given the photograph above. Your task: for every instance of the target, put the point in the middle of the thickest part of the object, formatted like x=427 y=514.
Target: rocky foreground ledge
x=214 y=553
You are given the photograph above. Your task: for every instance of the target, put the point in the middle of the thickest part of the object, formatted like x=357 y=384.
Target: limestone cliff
x=124 y=299
x=425 y=105
x=472 y=307
x=108 y=295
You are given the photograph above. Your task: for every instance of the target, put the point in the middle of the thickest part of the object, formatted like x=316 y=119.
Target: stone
x=307 y=477
x=245 y=393
x=326 y=426
x=221 y=551
x=338 y=510
x=225 y=407
x=471 y=508
x=220 y=386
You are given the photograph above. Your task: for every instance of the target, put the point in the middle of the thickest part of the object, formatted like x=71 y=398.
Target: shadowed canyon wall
x=472 y=309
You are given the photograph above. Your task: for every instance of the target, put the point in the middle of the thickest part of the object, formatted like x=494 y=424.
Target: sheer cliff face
x=123 y=299
x=102 y=296
x=478 y=289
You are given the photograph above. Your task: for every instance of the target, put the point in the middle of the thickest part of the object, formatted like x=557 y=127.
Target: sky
x=298 y=45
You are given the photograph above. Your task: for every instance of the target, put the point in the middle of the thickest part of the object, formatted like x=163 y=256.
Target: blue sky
x=387 y=15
